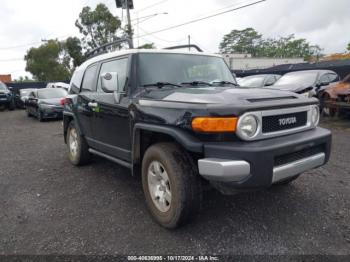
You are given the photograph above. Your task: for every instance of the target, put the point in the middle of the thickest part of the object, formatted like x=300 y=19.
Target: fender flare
x=186 y=140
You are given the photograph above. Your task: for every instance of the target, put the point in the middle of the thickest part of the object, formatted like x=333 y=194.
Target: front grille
x=283 y=122
x=298 y=155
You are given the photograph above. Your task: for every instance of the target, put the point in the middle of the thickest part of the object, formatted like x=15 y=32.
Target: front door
x=111 y=119
x=86 y=100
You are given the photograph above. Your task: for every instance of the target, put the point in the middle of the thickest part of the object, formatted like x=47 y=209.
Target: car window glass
x=89 y=79
x=333 y=77
x=324 y=78
x=270 y=80
x=119 y=66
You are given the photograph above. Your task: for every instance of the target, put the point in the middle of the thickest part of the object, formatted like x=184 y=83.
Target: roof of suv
x=79 y=72
x=135 y=51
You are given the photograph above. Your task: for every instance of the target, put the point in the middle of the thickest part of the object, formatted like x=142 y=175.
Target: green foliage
x=73 y=47
x=147 y=46
x=22 y=79
x=98 y=26
x=348 y=47
x=250 y=41
x=241 y=41
x=48 y=62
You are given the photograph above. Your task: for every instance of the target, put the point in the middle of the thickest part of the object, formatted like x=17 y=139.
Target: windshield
x=51 y=93
x=2 y=86
x=180 y=68
x=252 y=81
x=302 y=78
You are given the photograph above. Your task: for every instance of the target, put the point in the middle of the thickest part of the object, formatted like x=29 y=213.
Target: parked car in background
x=307 y=82
x=336 y=98
x=259 y=80
x=7 y=98
x=22 y=96
x=58 y=85
x=46 y=103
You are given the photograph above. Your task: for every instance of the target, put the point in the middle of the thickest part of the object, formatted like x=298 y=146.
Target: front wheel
x=78 y=150
x=40 y=116
x=171 y=185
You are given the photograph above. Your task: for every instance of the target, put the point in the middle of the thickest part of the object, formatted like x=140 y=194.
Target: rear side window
x=89 y=81
x=119 y=66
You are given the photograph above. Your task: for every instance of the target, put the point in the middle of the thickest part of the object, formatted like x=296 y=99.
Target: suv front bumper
x=250 y=165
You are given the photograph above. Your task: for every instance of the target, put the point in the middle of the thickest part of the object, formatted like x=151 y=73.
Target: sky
x=26 y=23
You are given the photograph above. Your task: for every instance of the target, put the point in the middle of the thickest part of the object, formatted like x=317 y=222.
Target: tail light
x=62 y=101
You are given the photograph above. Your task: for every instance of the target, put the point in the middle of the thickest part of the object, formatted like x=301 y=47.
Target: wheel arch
x=67 y=118
x=145 y=135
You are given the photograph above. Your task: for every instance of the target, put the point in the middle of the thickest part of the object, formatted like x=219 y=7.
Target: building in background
x=247 y=62
x=6 y=78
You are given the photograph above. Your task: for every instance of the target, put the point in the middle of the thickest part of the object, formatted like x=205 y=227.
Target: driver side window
x=120 y=67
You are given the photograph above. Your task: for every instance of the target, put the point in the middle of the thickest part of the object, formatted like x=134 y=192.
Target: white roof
x=78 y=74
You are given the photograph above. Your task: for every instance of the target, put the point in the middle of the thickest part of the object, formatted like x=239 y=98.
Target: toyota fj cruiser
x=180 y=120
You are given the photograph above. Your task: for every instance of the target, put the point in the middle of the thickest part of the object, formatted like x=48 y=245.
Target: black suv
x=180 y=120
x=6 y=97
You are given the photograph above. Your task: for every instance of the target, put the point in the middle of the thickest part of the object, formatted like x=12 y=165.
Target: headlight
x=247 y=126
x=315 y=115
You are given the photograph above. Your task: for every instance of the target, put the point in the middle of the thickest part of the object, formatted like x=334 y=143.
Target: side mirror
x=109 y=82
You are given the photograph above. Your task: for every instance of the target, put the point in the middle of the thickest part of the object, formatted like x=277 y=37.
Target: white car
x=58 y=85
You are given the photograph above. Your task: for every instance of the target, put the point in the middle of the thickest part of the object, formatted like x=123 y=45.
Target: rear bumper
x=52 y=113
x=249 y=165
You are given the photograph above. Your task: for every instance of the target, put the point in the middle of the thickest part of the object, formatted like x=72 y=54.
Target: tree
x=48 y=62
x=147 y=46
x=348 y=47
x=73 y=47
x=250 y=41
x=241 y=41
x=98 y=26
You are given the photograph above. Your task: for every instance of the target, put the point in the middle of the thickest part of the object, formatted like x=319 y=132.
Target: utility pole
x=189 y=43
x=129 y=22
x=127 y=4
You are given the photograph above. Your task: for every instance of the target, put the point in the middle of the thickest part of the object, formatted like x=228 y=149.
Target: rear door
x=86 y=100
x=111 y=122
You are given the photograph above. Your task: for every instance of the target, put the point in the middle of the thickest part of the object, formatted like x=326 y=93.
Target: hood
x=291 y=88
x=51 y=101
x=217 y=95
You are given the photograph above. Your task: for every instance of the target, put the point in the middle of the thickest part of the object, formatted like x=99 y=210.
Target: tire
x=329 y=111
x=182 y=182
x=79 y=155
x=40 y=116
x=287 y=181
x=28 y=113
x=12 y=105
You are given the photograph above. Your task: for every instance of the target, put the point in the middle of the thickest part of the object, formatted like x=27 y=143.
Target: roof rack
x=184 y=46
x=103 y=48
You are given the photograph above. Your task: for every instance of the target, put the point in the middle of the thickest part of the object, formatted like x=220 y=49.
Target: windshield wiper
x=196 y=83
x=162 y=84
x=223 y=82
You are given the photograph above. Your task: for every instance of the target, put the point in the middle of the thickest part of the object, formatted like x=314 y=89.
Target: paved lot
x=48 y=206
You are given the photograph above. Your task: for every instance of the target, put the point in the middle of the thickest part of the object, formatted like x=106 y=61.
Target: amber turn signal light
x=214 y=124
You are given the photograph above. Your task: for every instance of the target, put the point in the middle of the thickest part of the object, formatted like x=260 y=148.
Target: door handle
x=92 y=104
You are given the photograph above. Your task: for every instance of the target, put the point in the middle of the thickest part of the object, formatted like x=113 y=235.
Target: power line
x=204 y=18
x=152 y=5
x=12 y=59
x=161 y=39
x=32 y=43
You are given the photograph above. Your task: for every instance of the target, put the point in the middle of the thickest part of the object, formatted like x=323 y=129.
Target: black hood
x=216 y=95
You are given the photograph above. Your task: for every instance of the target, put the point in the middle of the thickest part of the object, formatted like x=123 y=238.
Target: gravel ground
x=48 y=206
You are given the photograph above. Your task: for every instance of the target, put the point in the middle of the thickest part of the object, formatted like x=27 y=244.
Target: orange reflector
x=214 y=124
